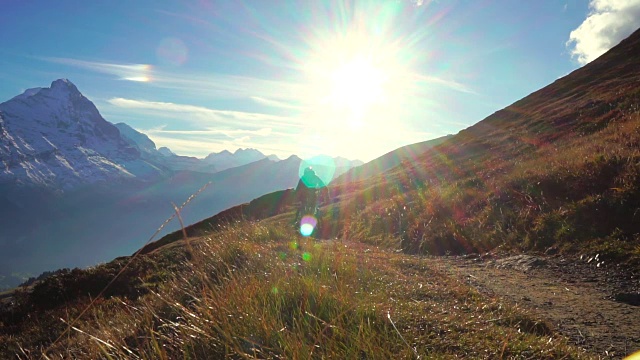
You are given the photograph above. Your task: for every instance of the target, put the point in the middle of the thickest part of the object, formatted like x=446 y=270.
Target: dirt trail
x=593 y=303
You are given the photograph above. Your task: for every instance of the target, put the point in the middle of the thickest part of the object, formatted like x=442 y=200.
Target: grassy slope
x=388 y=160
x=261 y=291
x=559 y=167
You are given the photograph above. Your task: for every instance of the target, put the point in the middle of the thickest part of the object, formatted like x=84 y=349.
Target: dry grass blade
x=402 y=337
x=93 y=301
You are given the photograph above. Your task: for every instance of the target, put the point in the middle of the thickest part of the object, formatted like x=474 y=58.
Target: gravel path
x=593 y=303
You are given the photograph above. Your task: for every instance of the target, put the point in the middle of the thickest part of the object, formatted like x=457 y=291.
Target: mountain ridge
x=389 y=160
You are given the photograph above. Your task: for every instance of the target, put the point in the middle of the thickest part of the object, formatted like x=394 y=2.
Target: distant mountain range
x=213 y=163
x=76 y=189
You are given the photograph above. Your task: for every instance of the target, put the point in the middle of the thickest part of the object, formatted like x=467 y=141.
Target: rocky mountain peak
x=166 y=151
x=56 y=136
x=64 y=85
x=247 y=151
x=61 y=90
x=136 y=138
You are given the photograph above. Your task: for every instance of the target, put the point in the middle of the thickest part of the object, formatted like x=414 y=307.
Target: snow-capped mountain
x=226 y=160
x=56 y=137
x=136 y=139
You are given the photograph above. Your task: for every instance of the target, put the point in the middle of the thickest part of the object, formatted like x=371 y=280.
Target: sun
x=357 y=81
x=356 y=85
x=349 y=84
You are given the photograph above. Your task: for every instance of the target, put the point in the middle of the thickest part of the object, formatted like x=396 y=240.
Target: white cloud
x=275 y=103
x=216 y=130
x=451 y=84
x=608 y=22
x=204 y=115
x=209 y=84
x=131 y=72
x=229 y=133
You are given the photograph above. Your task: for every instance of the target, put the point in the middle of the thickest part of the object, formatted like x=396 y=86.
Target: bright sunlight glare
x=350 y=80
x=357 y=85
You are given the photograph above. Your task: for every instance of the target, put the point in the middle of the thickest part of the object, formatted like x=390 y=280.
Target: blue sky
x=349 y=78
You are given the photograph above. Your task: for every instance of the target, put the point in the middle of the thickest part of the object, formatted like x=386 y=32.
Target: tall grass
x=262 y=291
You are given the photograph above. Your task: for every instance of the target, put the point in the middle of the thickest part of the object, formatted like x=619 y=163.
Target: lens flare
x=172 y=51
x=138 y=72
x=634 y=356
x=307 y=225
x=323 y=166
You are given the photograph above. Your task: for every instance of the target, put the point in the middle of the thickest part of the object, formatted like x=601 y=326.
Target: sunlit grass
x=579 y=193
x=255 y=291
